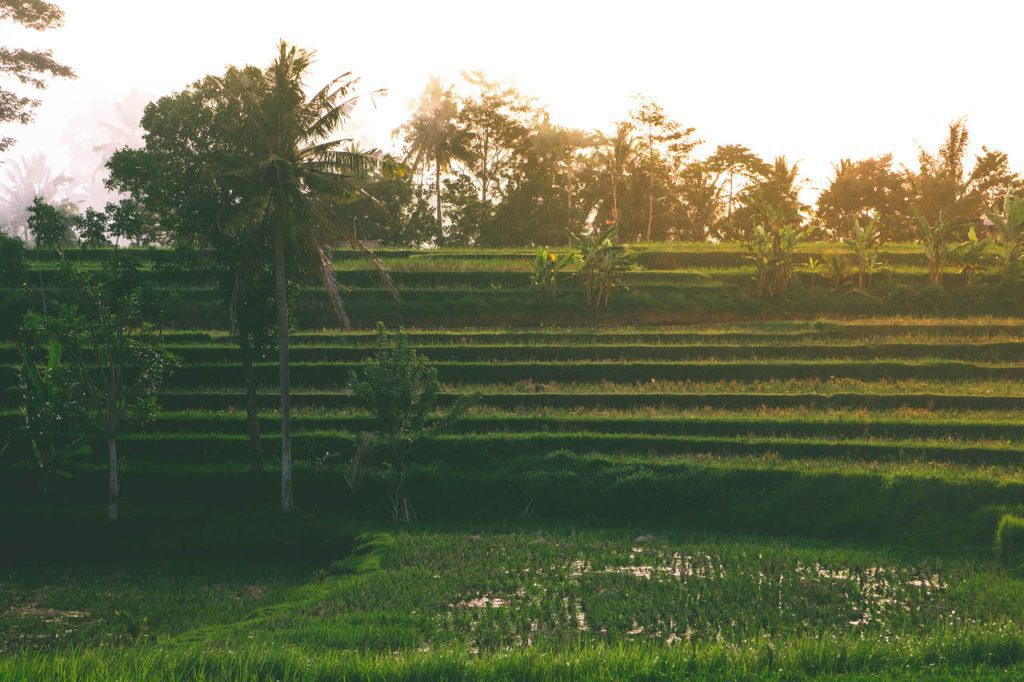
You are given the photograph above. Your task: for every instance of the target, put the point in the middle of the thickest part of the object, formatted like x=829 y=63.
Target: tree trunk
x=615 y=203
x=281 y=286
x=484 y=176
x=650 y=212
x=251 y=414
x=115 y=484
x=437 y=190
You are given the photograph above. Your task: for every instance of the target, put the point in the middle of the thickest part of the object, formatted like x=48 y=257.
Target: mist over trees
x=484 y=164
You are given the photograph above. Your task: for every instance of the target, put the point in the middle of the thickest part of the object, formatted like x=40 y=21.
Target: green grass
x=499 y=602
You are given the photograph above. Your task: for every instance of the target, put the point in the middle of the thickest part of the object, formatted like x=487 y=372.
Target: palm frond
x=331 y=286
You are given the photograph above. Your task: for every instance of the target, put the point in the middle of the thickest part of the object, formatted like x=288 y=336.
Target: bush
x=1010 y=540
x=12 y=261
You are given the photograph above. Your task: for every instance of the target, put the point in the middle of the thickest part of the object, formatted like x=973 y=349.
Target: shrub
x=399 y=388
x=12 y=261
x=53 y=417
x=1010 y=540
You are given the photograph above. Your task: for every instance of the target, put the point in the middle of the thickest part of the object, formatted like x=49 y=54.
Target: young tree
x=600 y=265
x=497 y=121
x=971 y=255
x=400 y=388
x=92 y=227
x=773 y=247
x=107 y=333
x=49 y=226
x=661 y=143
x=28 y=67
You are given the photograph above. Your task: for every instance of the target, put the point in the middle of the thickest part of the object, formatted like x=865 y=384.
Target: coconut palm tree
x=27 y=178
x=433 y=135
x=297 y=171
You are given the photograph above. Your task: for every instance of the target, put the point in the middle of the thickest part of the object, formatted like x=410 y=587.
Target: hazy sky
x=814 y=80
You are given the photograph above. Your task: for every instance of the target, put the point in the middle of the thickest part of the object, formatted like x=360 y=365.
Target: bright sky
x=814 y=80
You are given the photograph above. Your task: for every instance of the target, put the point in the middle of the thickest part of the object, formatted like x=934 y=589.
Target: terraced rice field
x=877 y=390
x=804 y=488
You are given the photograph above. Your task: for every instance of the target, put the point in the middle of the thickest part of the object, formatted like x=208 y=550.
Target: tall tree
x=248 y=164
x=945 y=185
x=710 y=189
x=434 y=135
x=661 y=143
x=861 y=189
x=299 y=171
x=777 y=194
x=497 y=120
x=616 y=155
x=28 y=67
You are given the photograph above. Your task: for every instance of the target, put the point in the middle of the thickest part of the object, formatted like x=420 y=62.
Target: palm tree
x=28 y=178
x=616 y=155
x=296 y=172
x=433 y=135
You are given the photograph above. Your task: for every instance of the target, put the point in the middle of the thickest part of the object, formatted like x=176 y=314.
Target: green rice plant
x=1010 y=540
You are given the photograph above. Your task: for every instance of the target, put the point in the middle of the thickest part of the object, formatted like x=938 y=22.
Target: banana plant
x=971 y=255
x=547 y=270
x=866 y=243
x=600 y=265
x=1009 y=237
x=935 y=240
x=838 y=270
x=814 y=268
x=772 y=247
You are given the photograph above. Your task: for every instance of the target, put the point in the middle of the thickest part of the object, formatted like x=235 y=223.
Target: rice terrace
x=490 y=395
